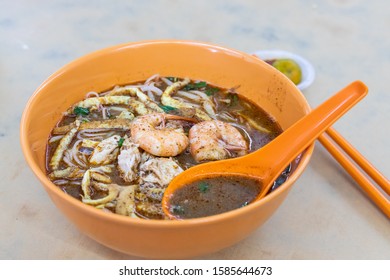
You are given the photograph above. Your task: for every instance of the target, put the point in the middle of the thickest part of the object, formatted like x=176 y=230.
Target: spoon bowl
x=266 y=164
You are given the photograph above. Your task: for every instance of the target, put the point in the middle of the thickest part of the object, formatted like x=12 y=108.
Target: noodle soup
x=118 y=150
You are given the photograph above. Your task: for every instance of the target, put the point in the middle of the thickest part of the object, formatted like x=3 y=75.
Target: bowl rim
x=51 y=187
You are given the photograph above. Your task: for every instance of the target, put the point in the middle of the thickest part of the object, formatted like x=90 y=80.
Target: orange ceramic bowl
x=133 y=62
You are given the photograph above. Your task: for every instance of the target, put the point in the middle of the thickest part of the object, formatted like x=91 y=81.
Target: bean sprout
x=61 y=182
x=91 y=94
x=152 y=88
x=241 y=128
x=154 y=77
x=200 y=93
x=120 y=109
x=166 y=81
x=226 y=116
x=68 y=158
x=151 y=96
x=189 y=95
x=55 y=138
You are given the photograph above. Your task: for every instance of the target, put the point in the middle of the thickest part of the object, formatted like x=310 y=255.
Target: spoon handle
x=296 y=138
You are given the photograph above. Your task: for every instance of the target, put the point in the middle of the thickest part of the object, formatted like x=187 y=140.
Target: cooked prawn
x=215 y=140
x=164 y=141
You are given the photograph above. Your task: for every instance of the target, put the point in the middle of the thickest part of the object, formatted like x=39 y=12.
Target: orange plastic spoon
x=267 y=163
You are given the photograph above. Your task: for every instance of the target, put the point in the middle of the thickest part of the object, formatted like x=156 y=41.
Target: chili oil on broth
x=141 y=197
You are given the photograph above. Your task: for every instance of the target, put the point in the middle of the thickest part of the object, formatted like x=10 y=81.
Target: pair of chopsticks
x=376 y=195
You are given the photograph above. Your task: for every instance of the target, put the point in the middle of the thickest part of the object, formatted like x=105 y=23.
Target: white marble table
x=326 y=215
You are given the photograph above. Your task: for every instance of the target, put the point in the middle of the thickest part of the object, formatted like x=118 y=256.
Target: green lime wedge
x=289 y=68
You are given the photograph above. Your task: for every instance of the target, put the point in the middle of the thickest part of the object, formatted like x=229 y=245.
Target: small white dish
x=308 y=73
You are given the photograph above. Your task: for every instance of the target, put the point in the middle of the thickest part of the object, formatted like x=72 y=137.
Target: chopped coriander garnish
x=280 y=180
x=84 y=120
x=234 y=99
x=197 y=85
x=200 y=84
x=173 y=79
x=210 y=91
x=287 y=170
x=120 y=142
x=81 y=111
x=177 y=209
x=245 y=204
x=109 y=114
x=167 y=108
x=203 y=187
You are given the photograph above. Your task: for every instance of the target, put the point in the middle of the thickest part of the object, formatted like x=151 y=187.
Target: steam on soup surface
x=118 y=150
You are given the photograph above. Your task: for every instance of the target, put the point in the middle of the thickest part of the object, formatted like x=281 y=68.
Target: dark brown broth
x=237 y=105
x=213 y=196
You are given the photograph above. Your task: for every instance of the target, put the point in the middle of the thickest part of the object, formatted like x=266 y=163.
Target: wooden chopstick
x=371 y=190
